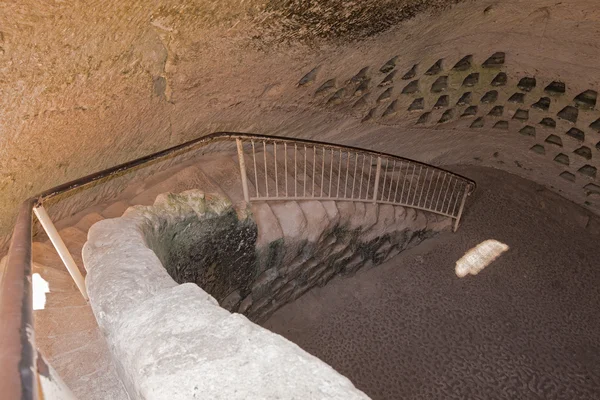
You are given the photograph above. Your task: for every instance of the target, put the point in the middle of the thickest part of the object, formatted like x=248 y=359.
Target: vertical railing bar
x=242 y=161
x=445 y=196
x=362 y=173
x=398 y=180
x=446 y=193
x=337 y=195
x=417 y=185
x=404 y=181
x=285 y=163
x=305 y=176
x=347 y=171
x=457 y=197
x=428 y=189
x=369 y=181
x=295 y=171
x=451 y=195
x=266 y=168
x=62 y=250
x=437 y=181
x=460 y=210
x=354 y=176
x=392 y=180
x=323 y=173
x=387 y=164
x=331 y=172
x=423 y=187
x=440 y=193
x=412 y=177
x=314 y=169
x=450 y=198
x=255 y=171
x=377 y=176
x=275 y=161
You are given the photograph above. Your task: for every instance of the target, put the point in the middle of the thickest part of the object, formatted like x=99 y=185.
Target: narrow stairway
x=66 y=329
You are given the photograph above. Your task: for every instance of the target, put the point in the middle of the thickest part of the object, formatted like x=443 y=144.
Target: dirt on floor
x=526 y=326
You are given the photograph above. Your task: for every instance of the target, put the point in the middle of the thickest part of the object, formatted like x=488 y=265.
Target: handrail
x=65 y=187
x=17 y=350
x=17 y=347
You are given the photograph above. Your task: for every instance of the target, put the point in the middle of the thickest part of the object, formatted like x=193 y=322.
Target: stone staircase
x=66 y=329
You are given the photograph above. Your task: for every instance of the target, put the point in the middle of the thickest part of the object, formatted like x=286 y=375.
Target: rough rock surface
x=175 y=341
x=93 y=91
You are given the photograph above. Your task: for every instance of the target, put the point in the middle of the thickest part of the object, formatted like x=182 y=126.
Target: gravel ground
x=525 y=327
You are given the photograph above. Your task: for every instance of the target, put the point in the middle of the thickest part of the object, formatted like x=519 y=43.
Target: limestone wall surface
x=173 y=340
x=86 y=88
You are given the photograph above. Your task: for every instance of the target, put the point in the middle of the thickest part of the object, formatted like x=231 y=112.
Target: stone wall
x=199 y=239
x=87 y=88
x=279 y=250
x=162 y=333
x=305 y=244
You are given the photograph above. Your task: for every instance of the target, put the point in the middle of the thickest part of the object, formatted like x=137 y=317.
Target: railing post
x=377 y=174
x=240 y=150
x=61 y=248
x=462 y=206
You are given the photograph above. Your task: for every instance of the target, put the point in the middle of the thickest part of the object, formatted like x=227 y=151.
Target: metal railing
x=288 y=169
x=283 y=169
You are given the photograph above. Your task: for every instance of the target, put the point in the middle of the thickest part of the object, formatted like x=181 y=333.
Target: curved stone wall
x=171 y=339
x=199 y=239
x=174 y=341
x=547 y=117
x=150 y=76
x=254 y=261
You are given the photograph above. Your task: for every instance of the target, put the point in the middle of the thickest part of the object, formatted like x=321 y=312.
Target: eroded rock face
x=307 y=20
x=94 y=87
x=280 y=250
x=173 y=340
x=203 y=242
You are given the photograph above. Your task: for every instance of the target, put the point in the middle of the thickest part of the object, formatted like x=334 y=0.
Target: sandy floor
x=527 y=326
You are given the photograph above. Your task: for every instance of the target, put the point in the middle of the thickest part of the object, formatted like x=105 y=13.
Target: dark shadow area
x=216 y=252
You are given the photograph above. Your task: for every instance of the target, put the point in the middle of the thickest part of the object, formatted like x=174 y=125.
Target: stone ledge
x=175 y=341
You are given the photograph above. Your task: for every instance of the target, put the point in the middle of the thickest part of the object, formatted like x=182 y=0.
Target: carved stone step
x=59 y=321
x=88 y=220
x=45 y=254
x=115 y=209
x=188 y=178
x=58 y=280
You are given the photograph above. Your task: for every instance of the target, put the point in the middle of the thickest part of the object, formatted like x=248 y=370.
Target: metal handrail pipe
x=17 y=345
